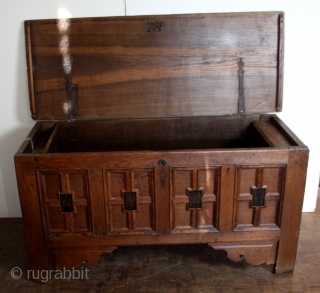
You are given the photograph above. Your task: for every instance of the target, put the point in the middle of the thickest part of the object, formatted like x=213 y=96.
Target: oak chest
x=154 y=130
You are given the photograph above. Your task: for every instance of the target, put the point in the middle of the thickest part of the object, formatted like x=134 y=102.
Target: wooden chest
x=153 y=130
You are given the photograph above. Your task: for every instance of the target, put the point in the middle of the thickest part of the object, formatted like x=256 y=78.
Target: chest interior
x=192 y=133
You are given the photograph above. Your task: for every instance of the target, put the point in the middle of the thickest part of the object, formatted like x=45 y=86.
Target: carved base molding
x=253 y=253
x=79 y=257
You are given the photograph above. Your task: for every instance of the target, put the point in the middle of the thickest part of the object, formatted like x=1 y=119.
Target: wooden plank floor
x=183 y=268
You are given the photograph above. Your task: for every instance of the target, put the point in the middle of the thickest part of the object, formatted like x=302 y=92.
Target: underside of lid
x=155 y=66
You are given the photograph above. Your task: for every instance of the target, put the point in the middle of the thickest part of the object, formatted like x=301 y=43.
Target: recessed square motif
x=66 y=203
x=195 y=199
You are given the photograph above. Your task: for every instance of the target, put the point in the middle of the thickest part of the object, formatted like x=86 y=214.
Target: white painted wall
x=301 y=87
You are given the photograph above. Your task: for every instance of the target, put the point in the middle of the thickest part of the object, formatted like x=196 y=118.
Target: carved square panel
x=258 y=197
x=194 y=197
x=130 y=201
x=65 y=201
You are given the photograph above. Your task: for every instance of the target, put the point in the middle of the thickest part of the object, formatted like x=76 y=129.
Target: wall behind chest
x=301 y=92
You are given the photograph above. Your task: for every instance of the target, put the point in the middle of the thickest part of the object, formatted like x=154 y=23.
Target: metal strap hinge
x=241 y=103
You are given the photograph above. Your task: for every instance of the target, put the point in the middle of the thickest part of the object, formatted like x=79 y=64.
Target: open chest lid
x=155 y=66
